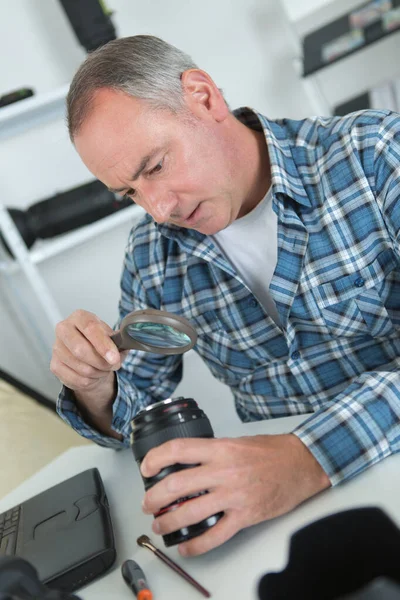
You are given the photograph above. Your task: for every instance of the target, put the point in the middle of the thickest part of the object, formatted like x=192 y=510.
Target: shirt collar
x=285 y=178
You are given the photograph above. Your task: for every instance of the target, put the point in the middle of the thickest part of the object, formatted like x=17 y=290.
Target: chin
x=210 y=228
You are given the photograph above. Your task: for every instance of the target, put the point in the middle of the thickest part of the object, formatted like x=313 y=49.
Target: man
x=279 y=241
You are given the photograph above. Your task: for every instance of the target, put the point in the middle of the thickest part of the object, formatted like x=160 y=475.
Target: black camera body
x=158 y=423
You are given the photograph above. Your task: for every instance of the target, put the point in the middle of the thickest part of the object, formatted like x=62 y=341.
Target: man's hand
x=84 y=360
x=250 y=479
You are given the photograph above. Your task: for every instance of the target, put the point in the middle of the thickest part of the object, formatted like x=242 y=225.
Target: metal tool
x=145 y=542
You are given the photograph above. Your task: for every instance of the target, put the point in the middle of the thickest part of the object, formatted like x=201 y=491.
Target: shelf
x=314 y=42
x=383 y=96
x=31 y=112
x=44 y=249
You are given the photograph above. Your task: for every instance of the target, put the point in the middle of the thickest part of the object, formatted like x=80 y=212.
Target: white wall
x=299 y=10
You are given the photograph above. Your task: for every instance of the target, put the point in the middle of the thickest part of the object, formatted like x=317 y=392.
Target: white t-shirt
x=250 y=244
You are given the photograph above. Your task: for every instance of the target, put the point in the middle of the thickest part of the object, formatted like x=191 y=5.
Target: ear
x=202 y=96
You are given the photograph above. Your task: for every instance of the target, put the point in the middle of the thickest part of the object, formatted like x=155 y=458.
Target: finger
x=94 y=367
x=181 y=450
x=189 y=513
x=82 y=348
x=94 y=331
x=100 y=337
x=68 y=377
x=219 y=533
x=178 y=485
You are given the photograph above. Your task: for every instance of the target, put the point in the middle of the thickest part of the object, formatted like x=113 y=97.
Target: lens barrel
x=158 y=423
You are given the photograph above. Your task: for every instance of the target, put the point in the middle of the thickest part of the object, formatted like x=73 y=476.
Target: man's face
x=179 y=168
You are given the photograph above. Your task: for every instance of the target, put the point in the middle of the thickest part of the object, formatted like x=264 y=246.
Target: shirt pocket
x=354 y=304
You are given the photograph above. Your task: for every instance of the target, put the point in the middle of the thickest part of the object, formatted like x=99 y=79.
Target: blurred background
x=286 y=58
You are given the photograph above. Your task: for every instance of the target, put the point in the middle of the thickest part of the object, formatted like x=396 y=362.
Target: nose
x=160 y=205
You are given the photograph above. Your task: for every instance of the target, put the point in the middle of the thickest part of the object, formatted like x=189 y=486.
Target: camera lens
x=159 y=423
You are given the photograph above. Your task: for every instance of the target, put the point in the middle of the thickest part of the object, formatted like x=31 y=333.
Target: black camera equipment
x=379 y=589
x=351 y=555
x=158 y=423
x=15 y=96
x=19 y=581
x=64 y=212
x=91 y=22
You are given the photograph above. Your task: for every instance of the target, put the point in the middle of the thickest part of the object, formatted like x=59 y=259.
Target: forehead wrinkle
x=110 y=167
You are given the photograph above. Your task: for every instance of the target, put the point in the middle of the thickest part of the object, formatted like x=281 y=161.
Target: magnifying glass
x=155 y=331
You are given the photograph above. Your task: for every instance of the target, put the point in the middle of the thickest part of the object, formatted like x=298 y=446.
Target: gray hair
x=142 y=66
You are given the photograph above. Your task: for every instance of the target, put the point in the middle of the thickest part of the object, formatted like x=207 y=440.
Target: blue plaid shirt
x=336 y=354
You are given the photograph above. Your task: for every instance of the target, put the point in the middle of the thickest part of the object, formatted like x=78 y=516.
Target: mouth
x=192 y=217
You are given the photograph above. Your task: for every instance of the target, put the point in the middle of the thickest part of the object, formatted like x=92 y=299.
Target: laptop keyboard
x=9 y=522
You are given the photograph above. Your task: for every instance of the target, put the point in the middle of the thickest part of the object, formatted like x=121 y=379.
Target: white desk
x=231 y=571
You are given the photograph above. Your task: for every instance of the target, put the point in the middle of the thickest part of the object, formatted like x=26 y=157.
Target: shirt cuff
x=69 y=412
x=343 y=440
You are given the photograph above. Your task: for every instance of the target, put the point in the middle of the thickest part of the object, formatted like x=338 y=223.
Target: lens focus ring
x=191 y=429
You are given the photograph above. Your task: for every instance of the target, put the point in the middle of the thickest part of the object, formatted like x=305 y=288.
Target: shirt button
x=253 y=302
x=295 y=355
x=359 y=282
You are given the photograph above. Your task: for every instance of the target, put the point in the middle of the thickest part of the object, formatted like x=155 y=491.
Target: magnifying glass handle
x=117 y=339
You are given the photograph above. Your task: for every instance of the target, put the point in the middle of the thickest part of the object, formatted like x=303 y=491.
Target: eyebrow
x=144 y=162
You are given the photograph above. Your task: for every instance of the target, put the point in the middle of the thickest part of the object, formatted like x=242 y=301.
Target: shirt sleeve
x=359 y=428
x=387 y=176
x=362 y=424
x=143 y=379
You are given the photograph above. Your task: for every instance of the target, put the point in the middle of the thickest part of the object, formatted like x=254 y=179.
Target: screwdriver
x=135 y=579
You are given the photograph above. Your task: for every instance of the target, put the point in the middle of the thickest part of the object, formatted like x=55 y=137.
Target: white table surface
x=230 y=571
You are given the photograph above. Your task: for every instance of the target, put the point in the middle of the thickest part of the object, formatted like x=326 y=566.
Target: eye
x=157 y=168
x=129 y=194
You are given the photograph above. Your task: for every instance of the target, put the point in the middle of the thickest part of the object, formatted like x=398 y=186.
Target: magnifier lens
x=157 y=335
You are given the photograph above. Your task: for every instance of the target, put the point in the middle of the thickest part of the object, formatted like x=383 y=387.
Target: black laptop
x=65 y=532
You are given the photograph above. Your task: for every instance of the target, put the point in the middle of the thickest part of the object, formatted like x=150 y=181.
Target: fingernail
x=143 y=469
x=156 y=526
x=112 y=357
